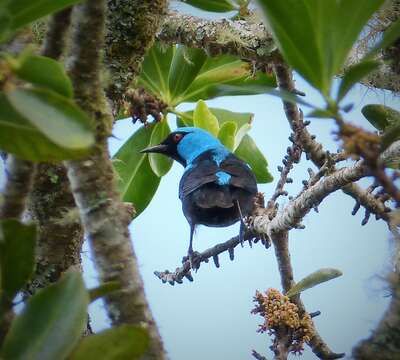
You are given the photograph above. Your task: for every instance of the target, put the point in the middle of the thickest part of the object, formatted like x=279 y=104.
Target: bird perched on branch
x=217 y=188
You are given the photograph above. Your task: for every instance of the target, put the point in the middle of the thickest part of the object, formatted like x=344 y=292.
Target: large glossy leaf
x=122 y=342
x=188 y=75
x=137 y=182
x=227 y=133
x=160 y=164
x=51 y=323
x=57 y=117
x=203 y=118
x=213 y=5
x=45 y=72
x=355 y=74
x=25 y=11
x=250 y=153
x=315 y=36
x=242 y=120
x=185 y=66
x=28 y=142
x=226 y=70
x=17 y=255
x=381 y=116
x=155 y=71
x=5 y=23
x=317 y=277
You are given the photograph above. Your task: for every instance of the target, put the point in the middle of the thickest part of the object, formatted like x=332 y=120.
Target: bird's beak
x=161 y=148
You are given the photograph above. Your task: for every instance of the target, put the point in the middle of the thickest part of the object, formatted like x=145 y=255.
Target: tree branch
x=19 y=178
x=249 y=41
x=131 y=28
x=94 y=186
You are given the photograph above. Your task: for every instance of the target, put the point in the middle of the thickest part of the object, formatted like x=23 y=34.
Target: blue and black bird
x=217 y=188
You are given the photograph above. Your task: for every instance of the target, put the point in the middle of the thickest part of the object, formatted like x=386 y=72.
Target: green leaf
x=57 y=117
x=321 y=114
x=314 y=279
x=103 y=290
x=185 y=66
x=17 y=255
x=314 y=36
x=390 y=135
x=51 y=323
x=155 y=71
x=390 y=35
x=204 y=119
x=213 y=5
x=177 y=75
x=122 y=342
x=137 y=181
x=354 y=75
x=45 y=72
x=226 y=70
x=5 y=23
x=249 y=152
x=160 y=164
x=380 y=116
x=27 y=141
x=227 y=133
x=242 y=120
x=25 y=11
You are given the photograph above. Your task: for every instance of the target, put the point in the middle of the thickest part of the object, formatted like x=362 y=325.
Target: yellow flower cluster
x=278 y=312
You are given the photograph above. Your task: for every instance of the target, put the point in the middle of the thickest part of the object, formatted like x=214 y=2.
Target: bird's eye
x=177 y=137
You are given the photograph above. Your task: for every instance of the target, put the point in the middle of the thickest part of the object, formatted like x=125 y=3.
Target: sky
x=210 y=318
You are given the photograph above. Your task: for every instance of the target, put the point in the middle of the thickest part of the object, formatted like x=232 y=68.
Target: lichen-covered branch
x=249 y=41
x=93 y=183
x=131 y=27
x=19 y=175
x=294 y=212
x=314 y=150
x=252 y=42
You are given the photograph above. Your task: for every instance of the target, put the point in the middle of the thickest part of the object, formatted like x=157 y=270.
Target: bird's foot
x=194 y=259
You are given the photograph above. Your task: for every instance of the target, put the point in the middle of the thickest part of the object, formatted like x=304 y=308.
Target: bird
x=217 y=188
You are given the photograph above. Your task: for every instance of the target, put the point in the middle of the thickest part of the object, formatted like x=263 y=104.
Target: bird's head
x=186 y=144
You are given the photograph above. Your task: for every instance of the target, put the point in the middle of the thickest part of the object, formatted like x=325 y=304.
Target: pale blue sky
x=210 y=318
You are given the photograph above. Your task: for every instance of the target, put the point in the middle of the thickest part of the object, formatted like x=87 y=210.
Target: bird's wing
x=200 y=174
x=241 y=174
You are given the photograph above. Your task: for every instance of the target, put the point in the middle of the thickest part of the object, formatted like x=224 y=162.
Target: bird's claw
x=194 y=259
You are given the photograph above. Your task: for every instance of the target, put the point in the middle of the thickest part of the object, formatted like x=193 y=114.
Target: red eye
x=177 y=137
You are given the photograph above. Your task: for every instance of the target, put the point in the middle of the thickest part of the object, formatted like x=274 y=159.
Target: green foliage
x=203 y=118
x=103 y=289
x=316 y=278
x=315 y=36
x=17 y=256
x=137 y=181
x=213 y=5
x=57 y=117
x=43 y=327
x=44 y=72
x=160 y=164
x=28 y=142
x=122 y=342
x=354 y=75
x=381 y=116
x=18 y=13
x=227 y=133
x=250 y=153
x=177 y=75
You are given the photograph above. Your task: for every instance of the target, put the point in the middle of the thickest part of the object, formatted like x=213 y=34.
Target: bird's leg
x=193 y=256
x=242 y=224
